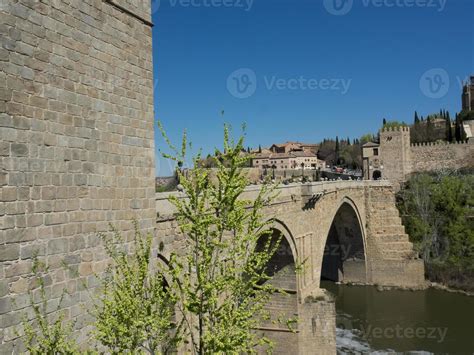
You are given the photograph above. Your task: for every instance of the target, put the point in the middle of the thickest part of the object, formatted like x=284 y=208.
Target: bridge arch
x=280 y=226
x=345 y=249
x=282 y=306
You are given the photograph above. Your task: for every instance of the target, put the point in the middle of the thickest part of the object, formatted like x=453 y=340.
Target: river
x=396 y=321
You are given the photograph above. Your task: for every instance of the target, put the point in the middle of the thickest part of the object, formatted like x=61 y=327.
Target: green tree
x=136 y=312
x=417 y=120
x=221 y=295
x=430 y=129
x=459 y=133
x=436 y=210
x=369 y=137
x=449 y=132
x=394 y=124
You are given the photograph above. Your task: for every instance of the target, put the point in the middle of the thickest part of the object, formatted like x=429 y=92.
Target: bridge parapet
x=292 y=192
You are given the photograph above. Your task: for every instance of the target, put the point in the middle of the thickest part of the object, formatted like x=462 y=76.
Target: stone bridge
x=346 y=231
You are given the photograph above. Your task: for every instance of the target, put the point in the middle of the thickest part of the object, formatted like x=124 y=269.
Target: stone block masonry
x=399 y=158
x=436 y=156
x=76 y=143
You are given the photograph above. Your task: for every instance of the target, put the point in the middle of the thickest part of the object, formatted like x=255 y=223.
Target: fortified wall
x=442 y=155
x=76 y=144
x=395 y=157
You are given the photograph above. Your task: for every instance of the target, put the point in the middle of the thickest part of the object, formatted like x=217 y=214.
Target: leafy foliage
x=437 y=211
x=218 y=281
x=394 y=124
x=48 y=333
x=136 y=312
x=342 y=153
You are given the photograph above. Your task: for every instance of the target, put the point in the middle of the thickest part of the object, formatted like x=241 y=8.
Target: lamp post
x=273 y=171
x=302 y=171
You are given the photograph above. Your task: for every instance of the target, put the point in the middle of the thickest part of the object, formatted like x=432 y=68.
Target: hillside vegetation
x=438 y=212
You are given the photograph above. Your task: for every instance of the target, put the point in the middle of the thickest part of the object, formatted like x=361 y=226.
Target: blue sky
x=305 y=69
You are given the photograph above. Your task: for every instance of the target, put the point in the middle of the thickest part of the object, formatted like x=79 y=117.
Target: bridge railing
x=289 y=192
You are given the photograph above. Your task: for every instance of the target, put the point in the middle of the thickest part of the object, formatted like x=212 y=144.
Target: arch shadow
x=345 y=252
x=283 y=304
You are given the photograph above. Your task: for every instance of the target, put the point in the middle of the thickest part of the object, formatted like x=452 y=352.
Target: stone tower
x=396 y=154
x=468 y=95
x=76 y=147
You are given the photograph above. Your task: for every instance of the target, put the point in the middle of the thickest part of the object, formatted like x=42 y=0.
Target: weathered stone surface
x=9 y=252
x=19 y=150
x=59 y=150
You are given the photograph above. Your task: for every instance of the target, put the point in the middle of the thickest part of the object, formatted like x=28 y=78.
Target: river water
x=410 y=322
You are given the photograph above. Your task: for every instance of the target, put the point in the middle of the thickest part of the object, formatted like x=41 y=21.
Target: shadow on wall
x=281 y=306
x=344 y=255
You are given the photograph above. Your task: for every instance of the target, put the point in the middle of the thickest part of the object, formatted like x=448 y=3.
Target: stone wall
x=436 y=156
x=76 y=144
x=399 y=158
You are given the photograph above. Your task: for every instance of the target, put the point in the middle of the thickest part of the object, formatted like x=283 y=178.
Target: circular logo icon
x=155 y=6
x=338 y=7
x=434 y=83
x=242 y=83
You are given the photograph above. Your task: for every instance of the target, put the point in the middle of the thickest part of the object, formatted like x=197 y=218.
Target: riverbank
x=450 y=277
x=427 y=285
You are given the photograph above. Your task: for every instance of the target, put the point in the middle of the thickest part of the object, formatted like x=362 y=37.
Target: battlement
x=440 y=143
x=395 y=129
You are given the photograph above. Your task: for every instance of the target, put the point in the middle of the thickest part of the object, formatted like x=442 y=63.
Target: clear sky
x=305 y=69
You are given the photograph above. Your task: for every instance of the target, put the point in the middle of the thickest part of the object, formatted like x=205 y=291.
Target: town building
x=289 y=155
x=294 y=147
x=291 y=160
x=468 y=129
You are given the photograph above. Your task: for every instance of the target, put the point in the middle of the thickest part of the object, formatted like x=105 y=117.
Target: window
x=376 y=151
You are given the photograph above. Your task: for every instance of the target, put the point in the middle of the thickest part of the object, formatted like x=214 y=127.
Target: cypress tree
x=417 y=120
x=429 y=129
x=449 y=133
x=337 y=150
x=384 y=121
x=457 y=129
